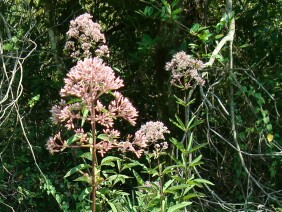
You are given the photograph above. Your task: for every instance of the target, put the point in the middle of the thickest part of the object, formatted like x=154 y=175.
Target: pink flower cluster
x=92 y=83
x=89 y=80
x=150 y=134
x=184 y=68
x=84 y=36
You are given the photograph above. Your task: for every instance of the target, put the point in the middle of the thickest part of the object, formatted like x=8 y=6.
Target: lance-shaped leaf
x=178 y=206
x=76 y=169
x=196 y=161
x=84 y=116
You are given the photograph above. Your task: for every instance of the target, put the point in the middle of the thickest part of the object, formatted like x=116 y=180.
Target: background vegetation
x=238 y=106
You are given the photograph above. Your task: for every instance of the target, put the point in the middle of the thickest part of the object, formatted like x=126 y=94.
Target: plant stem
x=161 y=184
x=94 y=158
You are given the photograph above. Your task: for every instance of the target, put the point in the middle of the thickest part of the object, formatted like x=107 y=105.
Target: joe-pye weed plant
x=89 y=108
x=172 y=186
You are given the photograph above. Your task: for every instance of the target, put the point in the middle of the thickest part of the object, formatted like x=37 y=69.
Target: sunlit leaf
x=203 y=181
x=138 y=178
x=167 y=184
x=269 y=137
x=113 y=207
x=179 y=206
x=85 y=193
x=108 y=160
x=195 y=161
x=76 y=169
x=72 y=139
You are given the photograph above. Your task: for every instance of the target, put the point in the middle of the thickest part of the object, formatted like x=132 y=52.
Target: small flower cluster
x=89 y=79
x=56 y=144
x=150 y=134
x=184 y=68
x=83 y=36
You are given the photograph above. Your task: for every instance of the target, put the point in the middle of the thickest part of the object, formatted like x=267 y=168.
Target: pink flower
x=56 y=112
x=89 y=79
x=103 y=147
x=102 y=51
x=152 y=131
x=88 y=36
x=82 y=137
x=123 y=108
x=55 y=144
x=183 y=67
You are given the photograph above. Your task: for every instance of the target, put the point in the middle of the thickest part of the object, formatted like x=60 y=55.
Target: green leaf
x=138 y=178
x=178 y=206
x=182 y=102
x=86 y=155
x=113 y=207
x=72 y=139
x=195 y=161
x=102 y=136
x=167 y=184
x=178 y=123
x=197 y=147
x=190 y=143
x=172 y=168
x=203 y=181
x=155 y=185
x=147 y=189
x=33 y=100
x=266 y=119
x=191 y=124
x=178 y=187
x=194 y=29
x=108 y=160
x=84 y=116
x=219 y=36
x=167 y=7
x=14 y=39
x=117 y=178
x=76 y=169
x=178 y=144
x=148 y=11
x=58 y=198
x=176 y=11
x=269 y=127
x=84 y=178
x=128 y=166
x=244 y=45
x=174 y=3
x=75 y=100
x=85 y=193
x=8 y=46
x=188 y=188
x=189 y=196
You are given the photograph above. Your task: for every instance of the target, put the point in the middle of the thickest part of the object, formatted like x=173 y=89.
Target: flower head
x=123 y=108
x=152 y=131
x=89 y=79
x=184 y=68
x=55 y=144
x=84 y=35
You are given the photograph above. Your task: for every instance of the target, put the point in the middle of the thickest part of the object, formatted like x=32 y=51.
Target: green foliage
x=142 y=36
